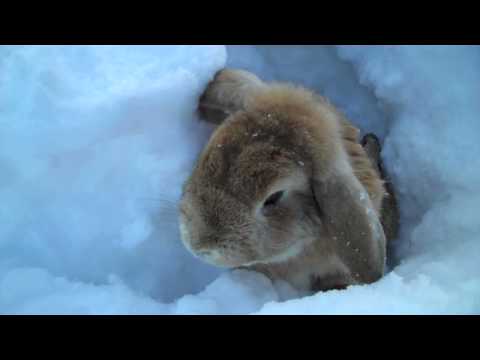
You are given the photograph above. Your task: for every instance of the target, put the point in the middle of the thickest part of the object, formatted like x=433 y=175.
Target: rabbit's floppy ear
x=350 y=221
x=228 y=92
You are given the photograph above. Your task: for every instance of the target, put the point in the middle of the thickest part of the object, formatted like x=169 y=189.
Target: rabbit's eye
x=273 y=199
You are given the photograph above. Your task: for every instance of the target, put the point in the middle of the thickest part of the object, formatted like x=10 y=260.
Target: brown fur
x=280 y=137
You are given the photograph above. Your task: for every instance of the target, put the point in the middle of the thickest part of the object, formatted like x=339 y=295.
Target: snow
x=96 y=142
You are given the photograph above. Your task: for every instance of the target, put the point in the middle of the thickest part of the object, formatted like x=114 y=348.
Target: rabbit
x=284 y=188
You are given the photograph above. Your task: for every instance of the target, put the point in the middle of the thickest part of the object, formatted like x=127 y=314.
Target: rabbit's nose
x=212 y=256
x=204 y=253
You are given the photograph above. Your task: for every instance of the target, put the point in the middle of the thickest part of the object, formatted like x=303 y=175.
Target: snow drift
x=96 y=142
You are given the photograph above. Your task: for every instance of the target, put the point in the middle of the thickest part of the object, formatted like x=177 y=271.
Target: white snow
x=96 y=141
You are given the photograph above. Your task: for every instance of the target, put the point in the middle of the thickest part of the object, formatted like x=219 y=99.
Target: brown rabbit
x=284 y=188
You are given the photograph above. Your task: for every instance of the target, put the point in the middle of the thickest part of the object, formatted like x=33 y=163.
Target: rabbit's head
x=272 y=179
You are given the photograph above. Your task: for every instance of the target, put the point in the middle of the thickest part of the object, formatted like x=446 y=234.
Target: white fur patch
x=288 y=254
x=185 y=235
x=291 y=252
